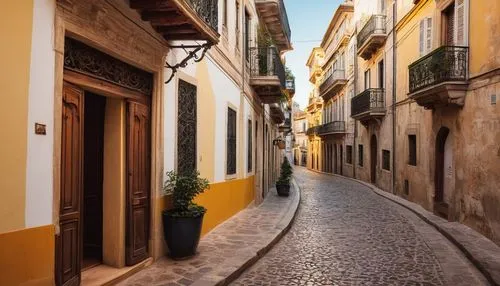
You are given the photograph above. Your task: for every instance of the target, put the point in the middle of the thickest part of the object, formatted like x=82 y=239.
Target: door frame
x=151 y=60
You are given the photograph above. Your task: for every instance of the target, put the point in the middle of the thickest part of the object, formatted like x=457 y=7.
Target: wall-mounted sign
x=40 y=129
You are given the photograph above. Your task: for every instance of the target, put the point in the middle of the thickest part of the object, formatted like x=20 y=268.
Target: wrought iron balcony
x=372 y=36
x=312 y=130
x=290 y=86
x=277 y=112
x=286 y=126
x=267 y=74
x=440 y=78
x=370 y=104
x=273 y=14
x=334 y=127
x=332 y=84
x=181 y=19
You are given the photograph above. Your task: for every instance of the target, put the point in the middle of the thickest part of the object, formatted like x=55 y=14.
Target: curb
x=490 y=272
x=265 y=249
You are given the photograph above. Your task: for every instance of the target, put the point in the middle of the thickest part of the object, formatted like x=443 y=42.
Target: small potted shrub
x=283 y=183
x=182 y=224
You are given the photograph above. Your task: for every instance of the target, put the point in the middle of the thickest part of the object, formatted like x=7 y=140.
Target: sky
x=309 y=20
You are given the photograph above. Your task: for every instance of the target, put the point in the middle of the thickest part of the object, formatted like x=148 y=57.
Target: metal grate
x=186 y=128
x=231 y=142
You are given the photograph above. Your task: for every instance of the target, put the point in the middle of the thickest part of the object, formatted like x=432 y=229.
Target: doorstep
x=229 y=249
x=481 y=251
x=107 y=275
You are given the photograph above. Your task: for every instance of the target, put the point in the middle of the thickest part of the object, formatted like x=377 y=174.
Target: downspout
x=394 y=80
x=354 y=148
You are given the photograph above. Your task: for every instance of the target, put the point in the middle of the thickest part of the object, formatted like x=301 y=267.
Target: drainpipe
x=394 y=78
x=354 y=148
x=263 y=149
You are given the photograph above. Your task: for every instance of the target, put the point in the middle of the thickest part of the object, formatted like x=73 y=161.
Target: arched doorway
x=443 y=162
x=373 y=158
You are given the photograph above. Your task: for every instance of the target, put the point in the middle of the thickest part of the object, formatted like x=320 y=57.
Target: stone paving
x=229 y=248
x=345 y=234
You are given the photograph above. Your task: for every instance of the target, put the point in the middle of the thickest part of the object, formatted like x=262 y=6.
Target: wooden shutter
x=138 y=182
x=68 y=242
x=422 y=38
x=460 y=20
x=428 y=35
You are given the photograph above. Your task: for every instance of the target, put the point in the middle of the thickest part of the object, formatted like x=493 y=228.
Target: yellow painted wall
x=15 y=57
x=206 y=127
x=484 y=36
x=223 y=200
x=27 y=256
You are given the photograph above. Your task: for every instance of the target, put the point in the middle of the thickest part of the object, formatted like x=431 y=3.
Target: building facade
x=107 y=96
x=300 y=147
x=435 y=142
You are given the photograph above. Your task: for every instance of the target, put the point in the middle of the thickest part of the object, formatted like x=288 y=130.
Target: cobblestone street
x=344 y=234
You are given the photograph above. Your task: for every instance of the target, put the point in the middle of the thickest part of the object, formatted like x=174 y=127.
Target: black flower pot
x=283 y=190
x=182 y=234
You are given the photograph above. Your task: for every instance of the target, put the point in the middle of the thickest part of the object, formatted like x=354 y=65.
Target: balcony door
x=367 y=79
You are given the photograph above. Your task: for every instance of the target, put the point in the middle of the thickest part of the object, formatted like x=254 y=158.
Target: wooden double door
x=69 y=241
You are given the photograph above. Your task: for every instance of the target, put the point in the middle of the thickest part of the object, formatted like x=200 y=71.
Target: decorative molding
x=81 y=58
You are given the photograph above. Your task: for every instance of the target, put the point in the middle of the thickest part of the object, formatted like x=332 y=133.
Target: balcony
x=273 y=14
x=286 y=127
x=290 y=86
x=332 y=84
x=267 y=74
x=277 y=112
x=368 y=105
x=332 y=128
x=312 y=131
x=181 y=19
x=372 y=36
x=440 y=78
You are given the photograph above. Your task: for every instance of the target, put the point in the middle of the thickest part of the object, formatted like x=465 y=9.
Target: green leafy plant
x=184 y=188
x=286 y=173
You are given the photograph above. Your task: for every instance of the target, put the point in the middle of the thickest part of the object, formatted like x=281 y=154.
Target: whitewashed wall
x=39 y=175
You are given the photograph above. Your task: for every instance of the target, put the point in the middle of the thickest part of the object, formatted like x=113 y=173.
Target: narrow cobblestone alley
x=344 y=234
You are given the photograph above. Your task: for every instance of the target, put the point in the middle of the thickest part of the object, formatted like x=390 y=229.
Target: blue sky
x=309 y=20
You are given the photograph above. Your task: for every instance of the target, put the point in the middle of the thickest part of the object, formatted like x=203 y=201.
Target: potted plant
x=182 y=224
x=283 y=183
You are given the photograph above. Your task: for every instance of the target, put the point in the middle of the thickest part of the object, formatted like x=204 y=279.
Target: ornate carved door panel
x=138 y=182
x=68 y=242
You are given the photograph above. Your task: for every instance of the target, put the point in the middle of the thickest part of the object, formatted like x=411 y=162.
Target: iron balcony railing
x=290 y=84
x=284 y=19
x=446 y=63
x=332 y=127
x=208 y=10
x=312 y=130
x=328 y=81
x=267 y=62
x=370 y=100
x=375 y=25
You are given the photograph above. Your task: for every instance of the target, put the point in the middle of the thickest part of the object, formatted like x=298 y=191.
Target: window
x=360 y=155
x=412 y=150
x=250 y=134
x=231 y=142
x=386 y=160
x=381 y=79
x=247 y=36
x=367 y=79
x=425 y=36
x=348 y=154
x=186 y=128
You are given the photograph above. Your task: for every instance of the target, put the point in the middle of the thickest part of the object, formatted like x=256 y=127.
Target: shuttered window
x=249 y=151
x=425 y=44
x=460 y=31
x=231 y=142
